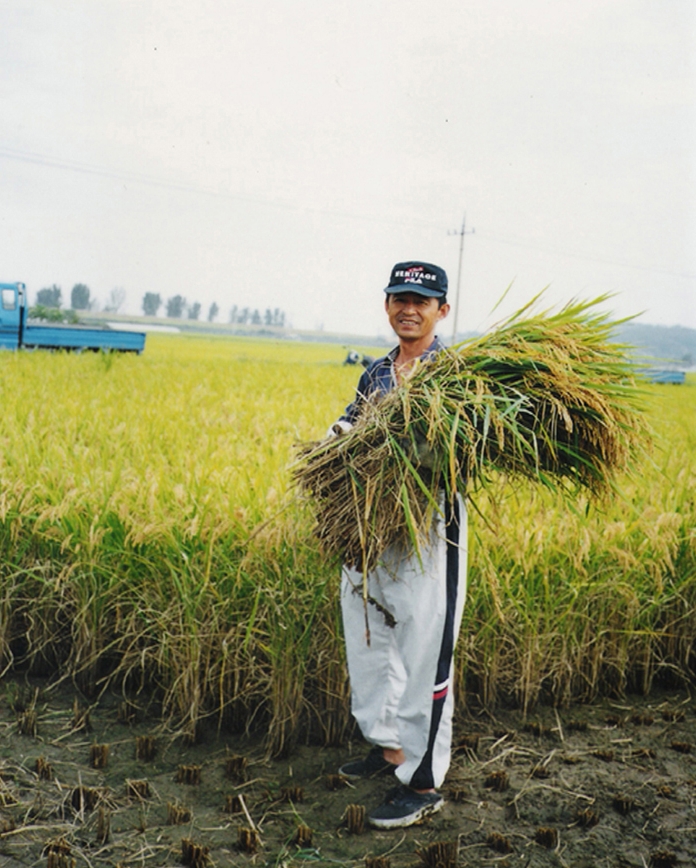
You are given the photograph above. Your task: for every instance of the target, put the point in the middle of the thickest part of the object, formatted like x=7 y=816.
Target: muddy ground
x=612 y=784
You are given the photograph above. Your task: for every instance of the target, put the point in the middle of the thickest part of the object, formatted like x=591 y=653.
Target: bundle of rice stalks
x=545 y=397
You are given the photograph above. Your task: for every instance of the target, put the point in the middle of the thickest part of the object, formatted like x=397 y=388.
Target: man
x=400 y=681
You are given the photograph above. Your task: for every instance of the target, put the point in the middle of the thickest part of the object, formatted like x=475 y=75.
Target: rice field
x=151 y=540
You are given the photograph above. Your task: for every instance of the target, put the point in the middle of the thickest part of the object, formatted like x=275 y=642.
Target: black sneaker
x=403 y=806
x=371 y=765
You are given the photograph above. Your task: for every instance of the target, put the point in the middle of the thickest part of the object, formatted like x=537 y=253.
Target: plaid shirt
x=380 y=378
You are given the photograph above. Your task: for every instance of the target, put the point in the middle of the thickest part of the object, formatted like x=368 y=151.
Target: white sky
x=269 y=153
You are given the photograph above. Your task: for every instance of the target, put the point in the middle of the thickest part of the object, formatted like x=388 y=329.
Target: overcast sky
x=286 y=153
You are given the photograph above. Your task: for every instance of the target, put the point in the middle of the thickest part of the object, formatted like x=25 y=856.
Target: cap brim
x=416 y=289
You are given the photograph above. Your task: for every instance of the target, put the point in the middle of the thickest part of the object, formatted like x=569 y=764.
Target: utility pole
x=462 y=232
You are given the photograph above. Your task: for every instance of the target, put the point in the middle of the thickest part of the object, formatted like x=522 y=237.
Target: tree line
x=177 y=307
x=49 y=301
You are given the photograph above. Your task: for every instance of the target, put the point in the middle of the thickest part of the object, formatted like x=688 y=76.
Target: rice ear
x=547 y=398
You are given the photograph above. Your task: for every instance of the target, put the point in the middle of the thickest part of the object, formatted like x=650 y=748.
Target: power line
x=152 y=181
x=498 y=239
x=149 y=180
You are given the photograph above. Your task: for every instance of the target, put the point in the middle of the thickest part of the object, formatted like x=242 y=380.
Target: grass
x=149 y=543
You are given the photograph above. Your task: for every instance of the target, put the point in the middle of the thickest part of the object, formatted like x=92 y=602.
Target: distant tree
x=256 y=317
x=175 y=306
x=116 y=298
x=79 y=297
x=152 y=302
x=194 y=310
x=213 y=311
x=243 y=316
x=49 y=297
x=268 y=317
x=278 y=317
x=233 y=313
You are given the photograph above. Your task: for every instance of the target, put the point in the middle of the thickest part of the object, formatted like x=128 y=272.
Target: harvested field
x=596 y=786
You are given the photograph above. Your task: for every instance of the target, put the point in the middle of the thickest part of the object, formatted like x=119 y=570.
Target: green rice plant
x=128 y=513
x=573 y=603
x=150 y=541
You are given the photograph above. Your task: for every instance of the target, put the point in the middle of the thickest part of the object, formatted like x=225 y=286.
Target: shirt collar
x=434 y=347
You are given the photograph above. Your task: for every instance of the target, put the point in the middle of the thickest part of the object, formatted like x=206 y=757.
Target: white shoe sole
x=410 y=820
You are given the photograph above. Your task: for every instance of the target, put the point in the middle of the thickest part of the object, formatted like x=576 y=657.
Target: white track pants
x=401 y=682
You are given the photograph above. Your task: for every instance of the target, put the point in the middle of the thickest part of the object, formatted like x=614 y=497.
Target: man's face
x=413 y=316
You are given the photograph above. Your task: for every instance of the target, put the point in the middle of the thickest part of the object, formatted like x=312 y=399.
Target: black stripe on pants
x=423 y=776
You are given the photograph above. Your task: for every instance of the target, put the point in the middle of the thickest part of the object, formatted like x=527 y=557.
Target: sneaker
x=403 y=806
x=371 y=765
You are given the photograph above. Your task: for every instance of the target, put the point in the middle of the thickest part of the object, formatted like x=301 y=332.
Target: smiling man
x=401 y=693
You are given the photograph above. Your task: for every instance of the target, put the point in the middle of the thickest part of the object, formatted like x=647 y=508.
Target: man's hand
x=338 y=429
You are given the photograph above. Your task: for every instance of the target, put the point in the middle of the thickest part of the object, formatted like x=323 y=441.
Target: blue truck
x=666 y=375
x=18 y=331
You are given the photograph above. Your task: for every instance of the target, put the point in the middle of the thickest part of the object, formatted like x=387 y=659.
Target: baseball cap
x=419 y=277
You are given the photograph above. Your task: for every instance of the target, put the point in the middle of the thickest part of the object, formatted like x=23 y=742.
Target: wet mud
x=105 y=784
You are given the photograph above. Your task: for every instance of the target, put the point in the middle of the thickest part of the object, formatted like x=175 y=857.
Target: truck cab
x=12 y=297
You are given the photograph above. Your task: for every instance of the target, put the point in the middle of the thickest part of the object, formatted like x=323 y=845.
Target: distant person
x=354 y=358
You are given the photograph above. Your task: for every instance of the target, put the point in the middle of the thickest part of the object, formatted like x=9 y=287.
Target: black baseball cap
x=419 y=277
